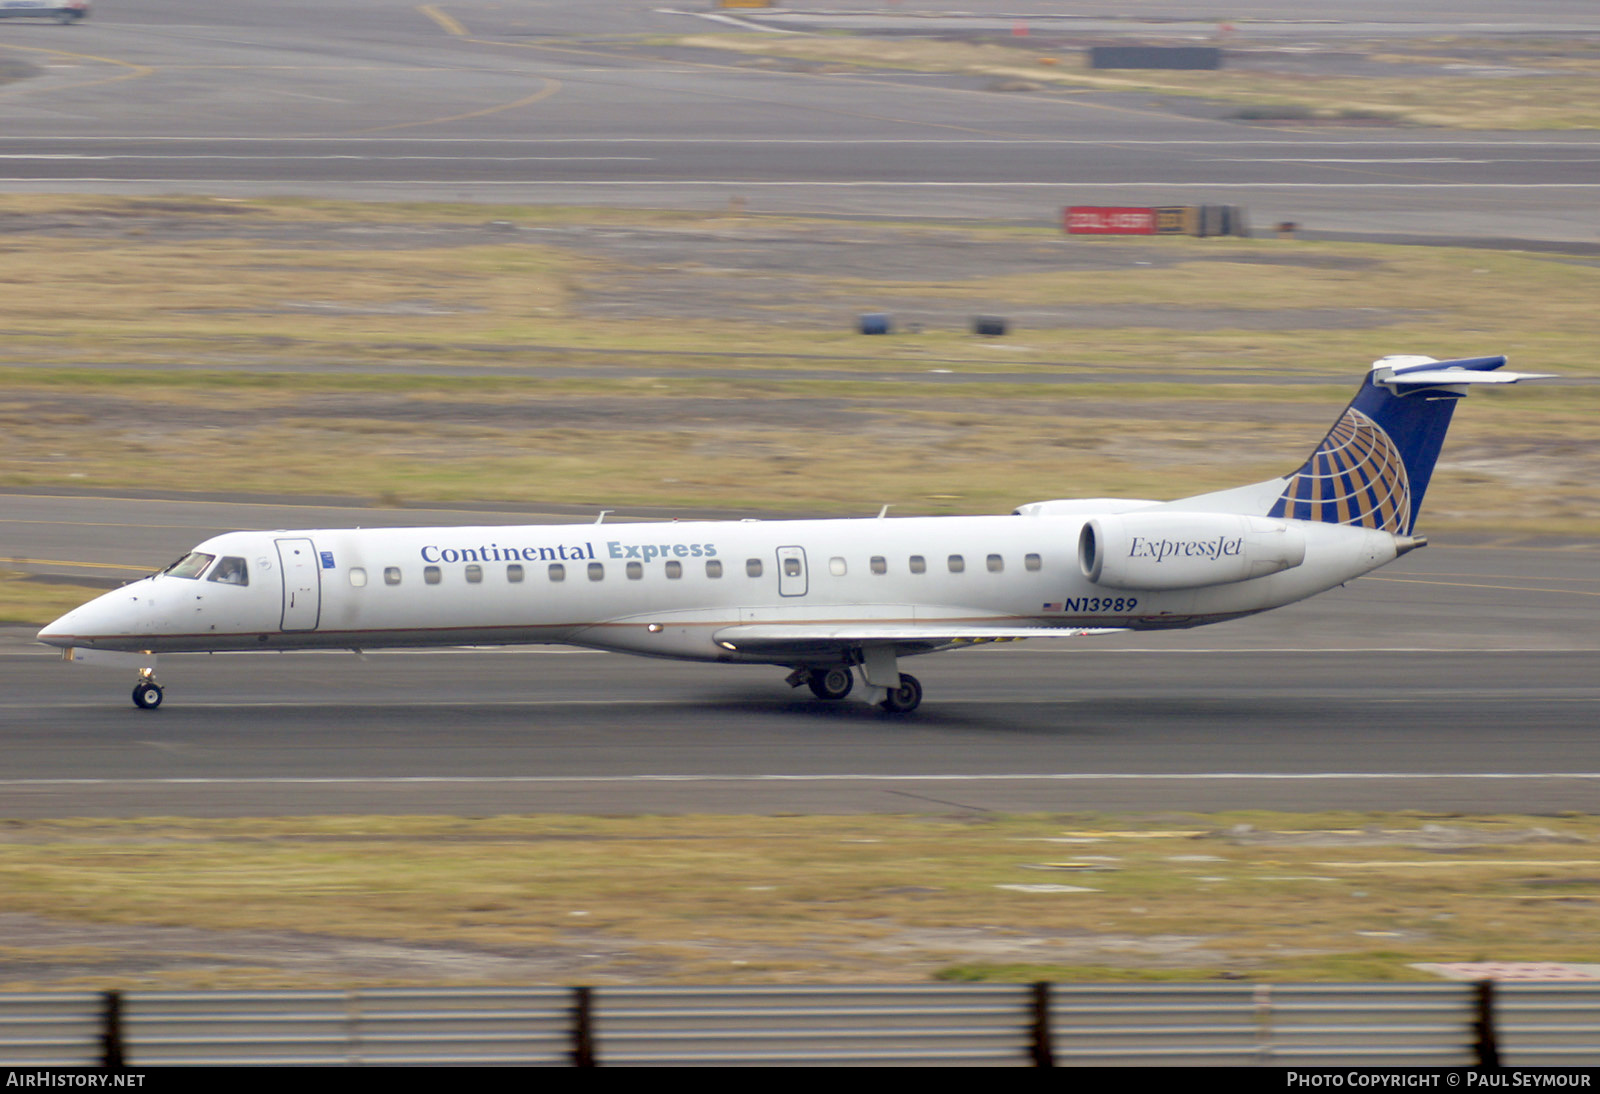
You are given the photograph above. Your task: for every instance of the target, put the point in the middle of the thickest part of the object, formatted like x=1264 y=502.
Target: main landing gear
x=905 y=698
x=836 y=682
x=147 y=693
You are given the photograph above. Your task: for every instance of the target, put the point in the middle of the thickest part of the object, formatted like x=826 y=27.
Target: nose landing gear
x=147 y=693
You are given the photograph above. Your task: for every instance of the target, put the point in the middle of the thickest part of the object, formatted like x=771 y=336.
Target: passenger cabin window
x=752 y=567
x=474 y=574
x=635 y=570
x=674 y=570
x=919 y=565
x=597 y=571
x=880 y=565
x=230 y=571
x=836 y=567
x=358 y=577
x=957 y=564
x=558 y=572
x=997 y=564
x=713 y=567
x=1031 y=562
x=191 y=565
x=514 y=573
x=391 y=575
x=791 y=567
x=432 y=575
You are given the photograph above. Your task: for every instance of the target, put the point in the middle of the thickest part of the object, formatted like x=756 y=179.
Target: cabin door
x=791 y=571
x=302 y=584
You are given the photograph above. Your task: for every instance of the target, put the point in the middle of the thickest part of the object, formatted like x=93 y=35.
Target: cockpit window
x=231 y=571
x=191 y=565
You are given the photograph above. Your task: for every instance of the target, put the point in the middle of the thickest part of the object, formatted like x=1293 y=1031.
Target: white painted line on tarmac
x=1385 y=160
x=578 y=780
x=1410 y=145
x=857 y=184
x=280 y=157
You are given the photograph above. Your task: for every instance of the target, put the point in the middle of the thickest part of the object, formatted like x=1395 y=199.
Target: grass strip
x=786 y=899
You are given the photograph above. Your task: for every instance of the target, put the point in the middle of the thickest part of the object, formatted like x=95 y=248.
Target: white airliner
x=829 y=599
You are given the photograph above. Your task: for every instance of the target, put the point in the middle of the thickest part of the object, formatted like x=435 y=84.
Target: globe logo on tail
x=1356 y=476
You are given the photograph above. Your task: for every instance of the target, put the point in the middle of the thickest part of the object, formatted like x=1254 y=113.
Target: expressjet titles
x=566 y=552
x=1161 y=549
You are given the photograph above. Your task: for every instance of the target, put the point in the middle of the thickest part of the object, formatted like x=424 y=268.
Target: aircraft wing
x=802 y=637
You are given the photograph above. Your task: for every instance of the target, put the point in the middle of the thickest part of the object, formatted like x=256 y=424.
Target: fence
x=1395 y=1025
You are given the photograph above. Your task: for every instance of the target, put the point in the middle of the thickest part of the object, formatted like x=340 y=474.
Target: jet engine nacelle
x=1169 y=550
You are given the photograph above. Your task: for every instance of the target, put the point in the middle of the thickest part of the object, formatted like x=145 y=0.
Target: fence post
x=1488 y=1043
x=582 y=1028
x=111 y=1033
x=1044 y=1053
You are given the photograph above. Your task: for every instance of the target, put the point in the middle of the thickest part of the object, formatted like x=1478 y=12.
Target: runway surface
x=1459 y=679
x=558 y=102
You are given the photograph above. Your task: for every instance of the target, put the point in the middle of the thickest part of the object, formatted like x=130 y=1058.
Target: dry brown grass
x=753 y=899
x=1562 y=91
x=256 y=362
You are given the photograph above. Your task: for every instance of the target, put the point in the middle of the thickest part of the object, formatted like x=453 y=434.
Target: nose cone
x=61 y=632
x=101 y=622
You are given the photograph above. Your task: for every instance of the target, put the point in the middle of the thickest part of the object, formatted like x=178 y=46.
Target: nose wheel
x=147 y=693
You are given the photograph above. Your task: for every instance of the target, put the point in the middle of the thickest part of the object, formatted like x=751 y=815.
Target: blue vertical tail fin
x=1373 y=467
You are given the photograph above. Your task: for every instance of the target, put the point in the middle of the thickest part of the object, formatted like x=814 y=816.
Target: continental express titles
x=566 y=552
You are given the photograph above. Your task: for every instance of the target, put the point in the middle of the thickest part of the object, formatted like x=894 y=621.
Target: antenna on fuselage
x=884 y=511
x=601 y=519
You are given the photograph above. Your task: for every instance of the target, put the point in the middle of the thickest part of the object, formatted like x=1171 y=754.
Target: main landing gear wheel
x=147 y=695
x=834 y=683
x=905 y=698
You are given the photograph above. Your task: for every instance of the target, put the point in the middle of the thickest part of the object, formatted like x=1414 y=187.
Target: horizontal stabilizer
x=1413 y=370
x=1459 y=376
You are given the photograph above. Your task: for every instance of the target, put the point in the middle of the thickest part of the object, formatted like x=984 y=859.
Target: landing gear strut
x=147 y=693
